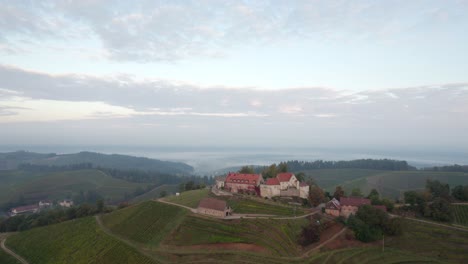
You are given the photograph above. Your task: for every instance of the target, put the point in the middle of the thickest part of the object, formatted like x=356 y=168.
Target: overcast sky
x=383 y=74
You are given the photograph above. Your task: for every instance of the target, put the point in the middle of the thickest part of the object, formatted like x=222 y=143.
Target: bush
x=310 y=234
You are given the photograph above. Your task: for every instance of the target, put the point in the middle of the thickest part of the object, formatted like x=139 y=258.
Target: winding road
x=8 y=251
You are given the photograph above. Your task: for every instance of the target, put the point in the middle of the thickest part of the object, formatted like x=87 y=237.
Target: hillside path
x=8 y=251
x=183 y=206
x=432 y=223
x=125 y=241
x=306 y=254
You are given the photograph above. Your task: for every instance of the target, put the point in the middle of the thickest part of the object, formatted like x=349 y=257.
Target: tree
x=247 y=170
x=310 y=234
x=339 y=192
x=163 y=194
x=374 y=196
x=437 y=189
x=300 y=176
x=460 y=192
x=270 y=171
x=356 y=192
x=316 y=195
x=440 y=210
x=283 y=167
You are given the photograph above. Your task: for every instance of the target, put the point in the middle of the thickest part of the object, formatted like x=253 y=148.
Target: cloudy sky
x=235 y=73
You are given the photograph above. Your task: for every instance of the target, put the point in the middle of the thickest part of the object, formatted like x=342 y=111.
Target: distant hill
x=11 y=161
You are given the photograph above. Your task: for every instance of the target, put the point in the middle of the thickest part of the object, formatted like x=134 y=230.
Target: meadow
x=460 y=214
x=146 y=223
x=59 y=185
x=156 y=192
x=189 y=198
x=76 y=241
x=250 y=206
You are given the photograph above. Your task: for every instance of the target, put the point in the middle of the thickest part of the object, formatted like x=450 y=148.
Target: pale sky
x=262 y=73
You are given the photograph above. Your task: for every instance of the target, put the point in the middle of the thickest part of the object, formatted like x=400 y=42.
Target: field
x=7 y=259
x=77 y=241
x=249 y=206
x=460 y=213
x=155 y=193
x=432 y=241
x=278 y=237
x=328 y=179
x=59 y=185
x=146 y=223
x=189 y=198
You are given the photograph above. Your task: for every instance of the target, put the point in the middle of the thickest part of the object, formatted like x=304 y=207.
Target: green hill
x=77 y=241
x=115 y=161
x=58 y=185
x=156 y=192
x=147 y=223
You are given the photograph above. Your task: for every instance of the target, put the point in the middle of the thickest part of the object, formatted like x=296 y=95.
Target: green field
x=249 y=206
x=460 y=214
x=189 y=198
x=432 y=241
x=146 y=223
x=77 y=241
x=155 y=193
x=277 y=236
x=328 y=179
x=59 y=185
x=7 y=259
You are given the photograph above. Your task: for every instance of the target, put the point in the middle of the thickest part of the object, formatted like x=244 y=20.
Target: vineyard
x=189 y=198
x=146 y=223
x=460 y=213
x=76 y=241
x=277 y=236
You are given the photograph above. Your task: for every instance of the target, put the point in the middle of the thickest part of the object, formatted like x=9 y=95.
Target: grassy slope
x=59 y=185
x=154 y=194
x=330 y=178
x=432 y=241
x=460 y=213
x=278 y=236
x=78 y=241
x=189 y=198
x=7 y=259
x=248 y=206
x=146 y=223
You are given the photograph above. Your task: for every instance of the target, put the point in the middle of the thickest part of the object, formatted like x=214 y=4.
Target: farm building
x=333 y=207
x=236 y=182
x=66 y=203
x=220 y=182
x=284 y=184
x=214 y=207
x=45 y=203
x=27 y=209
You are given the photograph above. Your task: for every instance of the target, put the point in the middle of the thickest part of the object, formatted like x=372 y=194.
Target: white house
x=285 y=184
x=220 y=182
x=66 y=203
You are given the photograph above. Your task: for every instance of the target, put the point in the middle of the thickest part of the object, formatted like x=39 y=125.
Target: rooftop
x=284 y=177
x=354 y=201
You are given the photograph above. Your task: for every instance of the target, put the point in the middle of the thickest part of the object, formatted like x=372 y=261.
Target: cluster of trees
x=460 y=192
x=433 y=203
x=191 y=185
x=451 y=168
x=311 y=232
x=381 y=164
x=53 y=168
x=49 y=217
x=370 y=224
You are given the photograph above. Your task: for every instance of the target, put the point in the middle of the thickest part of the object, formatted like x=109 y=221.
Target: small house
x=45 y=203
x=333 y=207
x=213 y=207
x=66 y=203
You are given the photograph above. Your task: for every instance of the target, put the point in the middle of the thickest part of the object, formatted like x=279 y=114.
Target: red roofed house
x=239 y=181
x=285 y=184
x=333 y=207
x=24 y=209
x=350 y=205
x=213 y=207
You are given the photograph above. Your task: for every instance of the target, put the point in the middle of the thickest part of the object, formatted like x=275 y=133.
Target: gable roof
x=333 y=203
x=284 y=177
x=244 y=178
x=211 y=203
x=25 y=208
x=354 y=201
x=272 y=181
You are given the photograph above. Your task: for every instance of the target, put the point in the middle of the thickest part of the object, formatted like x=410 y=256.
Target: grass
x=189 y=198
x=432 y=241
x=277 y=236
x=155 y=193
x=59 y=185
x=7 y=259
x=460 y=213
x=328 y=179
x=147 y=223
x=77 y=241
x=249 y=206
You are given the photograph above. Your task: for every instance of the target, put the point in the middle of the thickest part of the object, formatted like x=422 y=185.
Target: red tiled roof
x=381 y=207
x=211 y=203
x=333 y=203
x=354 y=201
x=272 y=181
x=244 y=178
x=25 y=208
x=284 y=177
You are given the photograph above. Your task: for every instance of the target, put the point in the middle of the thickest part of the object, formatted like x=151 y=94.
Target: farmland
x=59 y=185
x=250 y=206
x=145 y=223
x=155 y=193
x=189 y=198
x=77 y=241
x=277 y=236
x=460 y=213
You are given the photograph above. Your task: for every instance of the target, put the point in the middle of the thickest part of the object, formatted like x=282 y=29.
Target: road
x=161 y=200
x=20 y=259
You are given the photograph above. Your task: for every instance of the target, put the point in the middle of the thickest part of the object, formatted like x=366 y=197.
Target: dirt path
x=306 y=254
x=183 y=206
x=432 y=223
x=20 y=259
x=126 y=241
